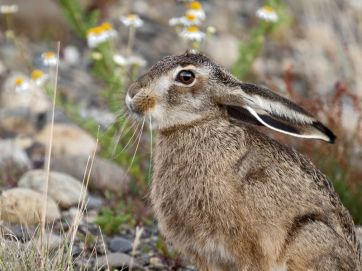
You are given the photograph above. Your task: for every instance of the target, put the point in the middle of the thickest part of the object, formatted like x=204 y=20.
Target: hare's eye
x=185 y=77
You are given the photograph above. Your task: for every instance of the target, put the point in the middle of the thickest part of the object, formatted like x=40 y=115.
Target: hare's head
x=181 y=90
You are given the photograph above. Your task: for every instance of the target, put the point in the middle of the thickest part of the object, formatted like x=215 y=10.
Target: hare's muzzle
x=139 y=100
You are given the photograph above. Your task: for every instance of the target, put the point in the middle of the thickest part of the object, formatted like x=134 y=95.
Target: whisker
x=138 y=143
x=119 y=135
x=151 y=150
x=118 y=118
x=121 y=112
x=129 y=141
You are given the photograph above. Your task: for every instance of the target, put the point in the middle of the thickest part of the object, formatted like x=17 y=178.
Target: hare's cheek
x=144 y=104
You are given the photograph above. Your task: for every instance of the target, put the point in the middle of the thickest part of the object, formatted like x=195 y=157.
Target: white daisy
x=108 y=28
x=192 y=33
x=195 y=9
x=187 y=20
x=96 y=56
x=267 y=13
x=39 y=77
x=8 y=9
x=136 y=61
x=211 y=30
x=120 y=60
x=50 y=59
x=99 y=34
x=21 y=84
x=131 y=20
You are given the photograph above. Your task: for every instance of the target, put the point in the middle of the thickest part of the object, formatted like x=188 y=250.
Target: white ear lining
x=316 y=136
x=277 y=108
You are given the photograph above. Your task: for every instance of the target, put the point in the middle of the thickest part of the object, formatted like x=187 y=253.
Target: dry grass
x=38 y=253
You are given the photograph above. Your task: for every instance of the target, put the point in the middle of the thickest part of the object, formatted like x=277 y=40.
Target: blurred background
x=94 y=160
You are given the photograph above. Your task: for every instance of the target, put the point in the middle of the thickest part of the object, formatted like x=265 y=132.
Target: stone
x=120 y=244
x=36 y=18
x=50 y=241
x=22 y=111
x=13 y=159
x=91 y=216
x=102 y=117
x=17 y=121
x=63 y=188
x=224 y=49
x=118 y=260
x=105 y=175
x=18 y=232
x=94 y=202
x=156 y=263
x=68 y=139
x=32 y=98
x=25 y=206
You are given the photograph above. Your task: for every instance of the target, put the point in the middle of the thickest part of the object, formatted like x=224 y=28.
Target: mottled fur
x=229 y=197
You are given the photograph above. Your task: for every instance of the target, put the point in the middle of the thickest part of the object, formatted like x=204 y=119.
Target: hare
x=227 y=196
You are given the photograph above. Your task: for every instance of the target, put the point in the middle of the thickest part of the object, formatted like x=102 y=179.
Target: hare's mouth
x=140 y=104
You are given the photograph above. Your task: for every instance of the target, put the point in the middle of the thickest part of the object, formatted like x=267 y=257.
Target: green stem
x=131 y=39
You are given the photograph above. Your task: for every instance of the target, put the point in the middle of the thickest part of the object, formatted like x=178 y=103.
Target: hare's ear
x=259 y=105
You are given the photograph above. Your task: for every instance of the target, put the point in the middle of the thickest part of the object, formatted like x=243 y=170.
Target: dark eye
x=185 y=77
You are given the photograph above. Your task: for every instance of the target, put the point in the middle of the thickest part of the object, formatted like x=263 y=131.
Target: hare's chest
x=190 y=215
x=191 y=233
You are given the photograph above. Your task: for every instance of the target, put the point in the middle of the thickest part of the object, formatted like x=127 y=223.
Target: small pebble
x=120 y=244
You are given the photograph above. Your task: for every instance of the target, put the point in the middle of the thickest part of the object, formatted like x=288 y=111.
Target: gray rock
x=25 y=206
x=18 y=121
x=68 y=140
x=64 y=189
x=104 y=118
x=156 y=263
x=33 y=97
x=76 y=251
x=105 y=175
x=119 y=244
x=22 y=111
x=118 y=260
x=94 y=202
x=13 y=159
x=18 y=232
x=51 y=241
x=223 y=48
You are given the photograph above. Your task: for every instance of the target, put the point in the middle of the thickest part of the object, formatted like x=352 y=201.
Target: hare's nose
x=133 y=90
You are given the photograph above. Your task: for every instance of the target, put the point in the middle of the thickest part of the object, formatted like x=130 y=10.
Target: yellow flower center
x=132 y=16
x=268 y=9
x=193 y=29
x=36 y=74
x=195 y=5
x=97 y=30
x=190 y=17
x=48 y=55
x=106 y=26
x=19 y=81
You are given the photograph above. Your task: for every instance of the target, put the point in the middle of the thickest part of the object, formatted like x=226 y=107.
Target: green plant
x=251 y=48
x=78 y=18
x=351 y=197
x=112 y=77
x=111 y=220
x=338 y=161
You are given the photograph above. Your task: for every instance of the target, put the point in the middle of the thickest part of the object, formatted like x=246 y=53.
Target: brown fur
x=230 y=198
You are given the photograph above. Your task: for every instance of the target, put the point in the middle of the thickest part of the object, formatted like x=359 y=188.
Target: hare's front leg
x=198 y=261
x=318 y=247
